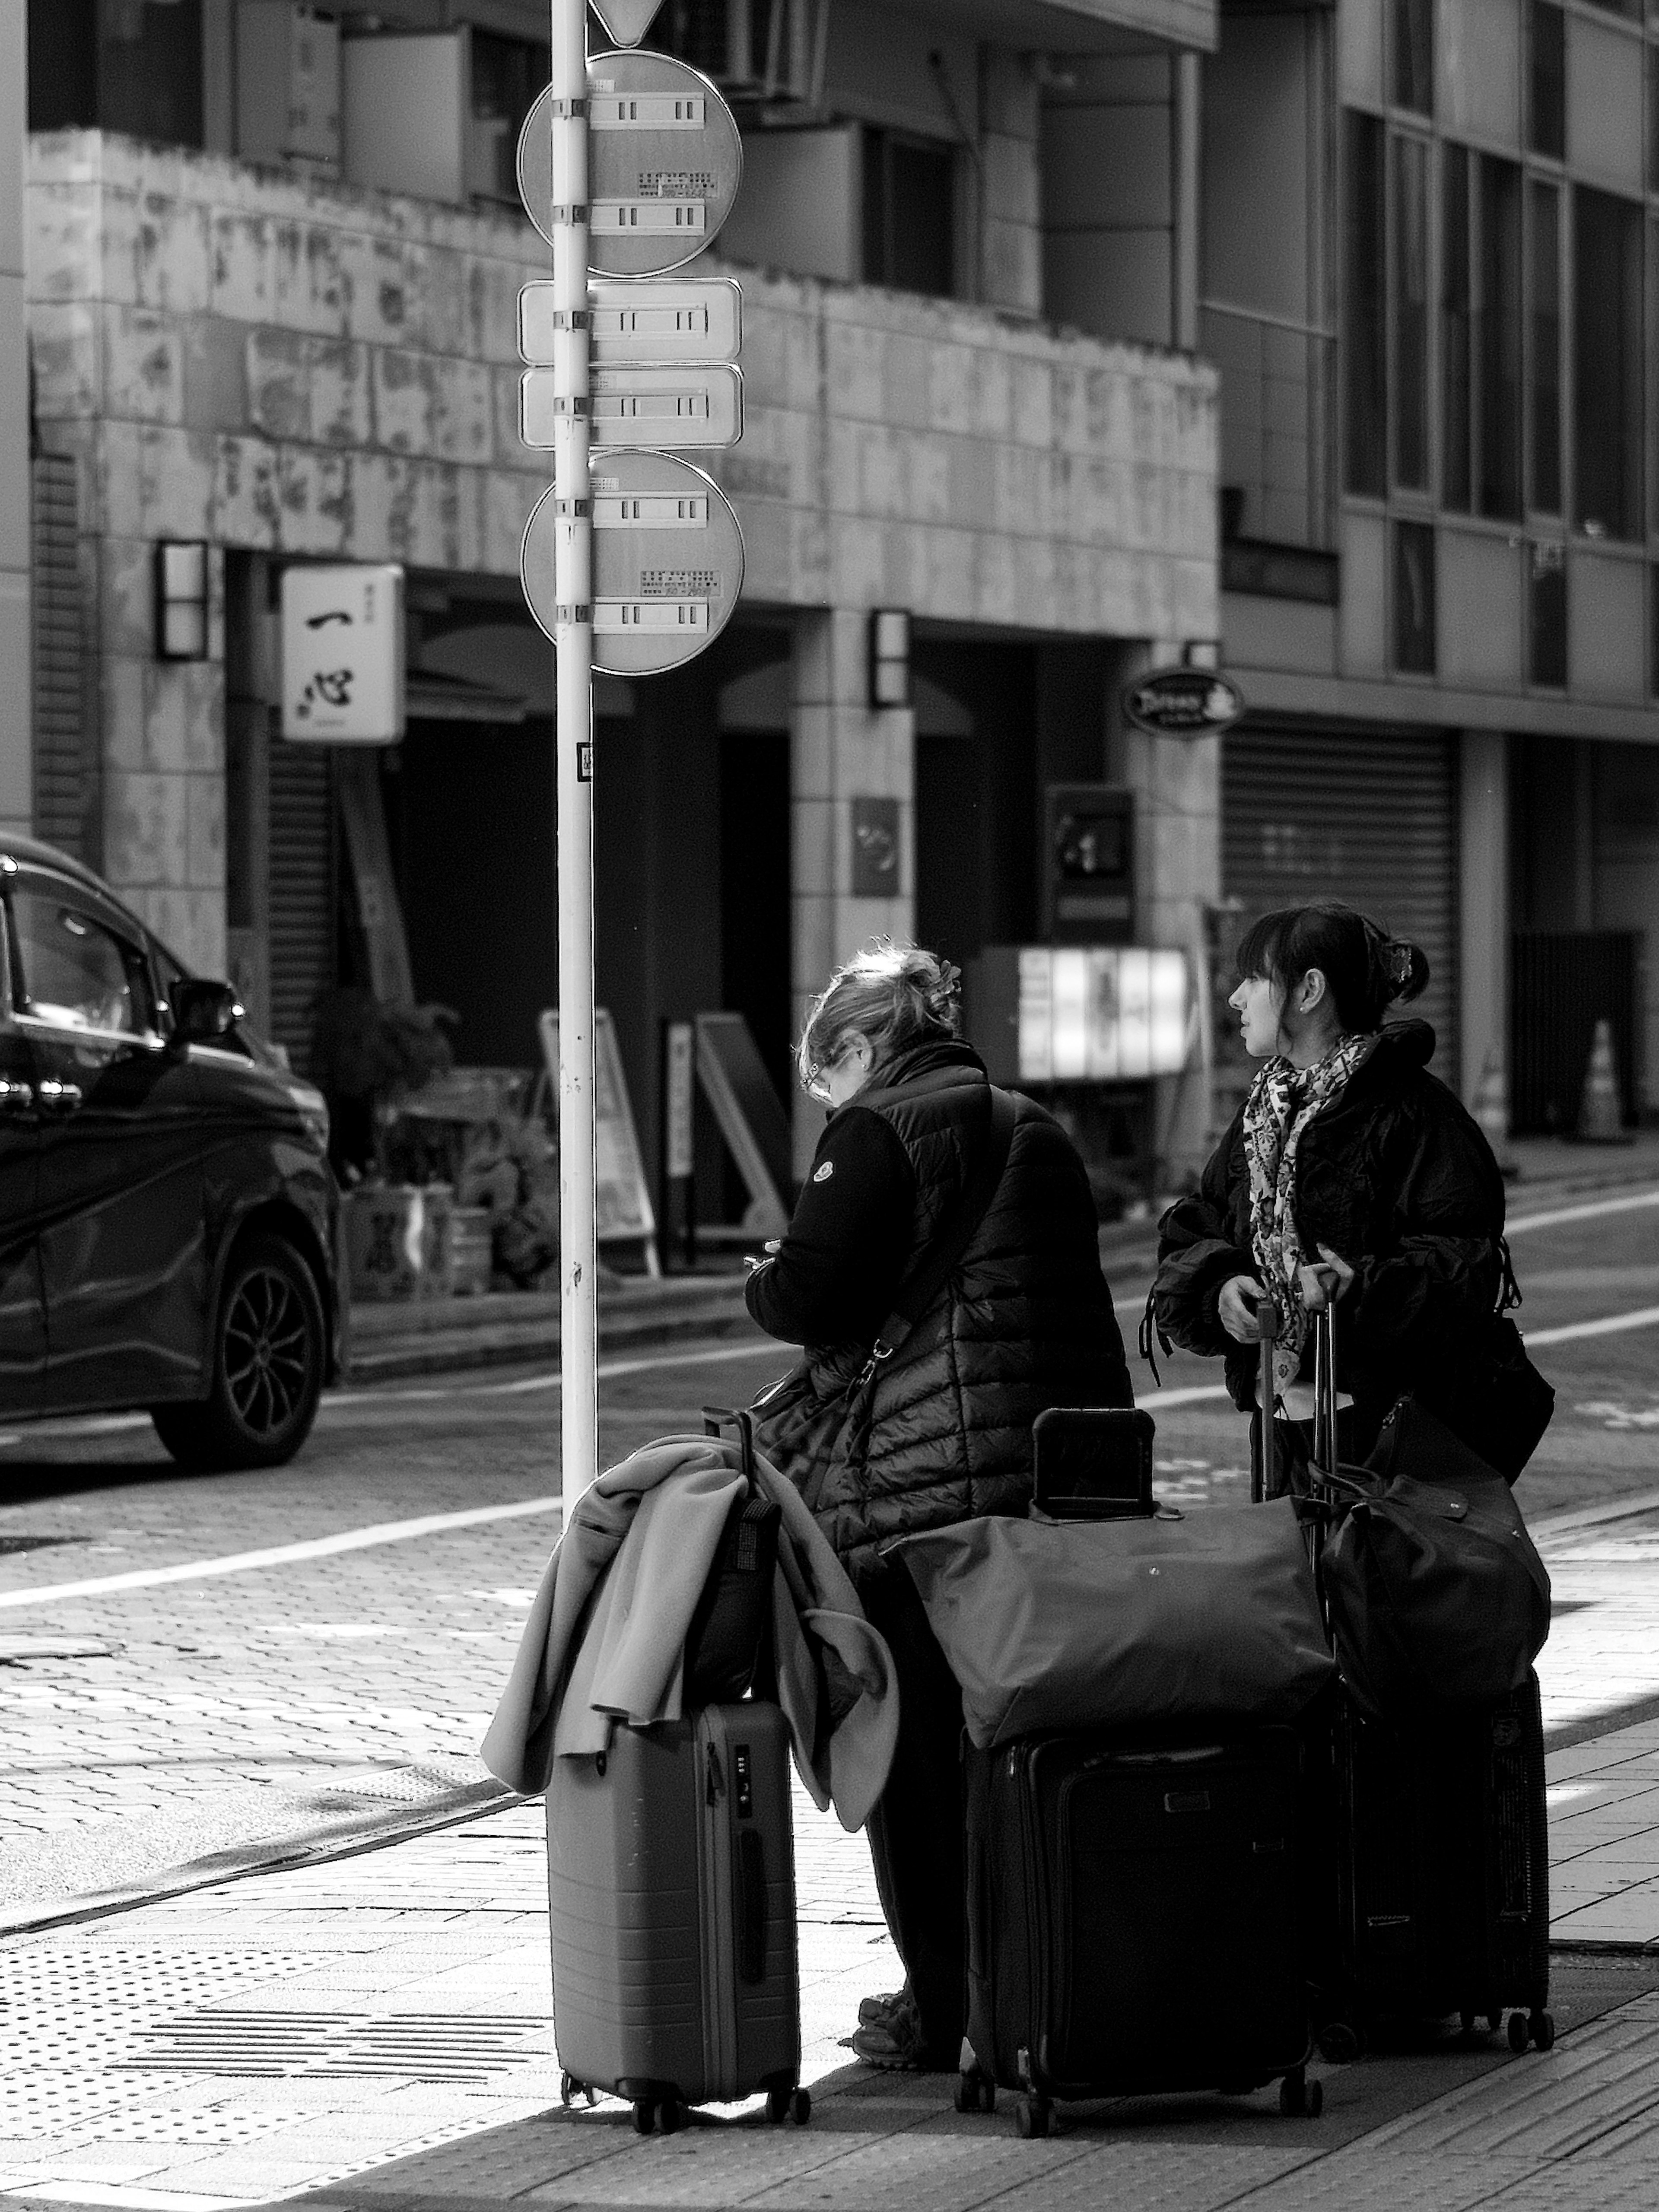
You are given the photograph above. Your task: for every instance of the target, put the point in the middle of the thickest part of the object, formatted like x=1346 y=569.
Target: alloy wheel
x=267 y=1366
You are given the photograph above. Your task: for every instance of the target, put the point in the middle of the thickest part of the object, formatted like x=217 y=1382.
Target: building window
x=1365 y=318
x=1607 y=344
x=1653 y=633
x=1546 y=80
x=1456 y=332
x=1500 y=338
x=135 y=66
x=1547 y=615
x=1413 y=55
x=1413 y=597
x=507 y=76
x=1653 y=119
x=909 y=213
x=1544 y=363
x=1410 y=215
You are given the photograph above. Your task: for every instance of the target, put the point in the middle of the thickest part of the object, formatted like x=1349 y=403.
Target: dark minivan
x=167 y=1214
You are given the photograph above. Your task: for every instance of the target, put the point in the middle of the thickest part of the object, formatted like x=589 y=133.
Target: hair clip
x=1398 y=958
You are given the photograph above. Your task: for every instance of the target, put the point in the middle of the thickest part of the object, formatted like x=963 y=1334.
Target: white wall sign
x=342 y=654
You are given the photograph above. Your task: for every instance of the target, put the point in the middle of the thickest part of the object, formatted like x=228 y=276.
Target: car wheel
x=268 y=1355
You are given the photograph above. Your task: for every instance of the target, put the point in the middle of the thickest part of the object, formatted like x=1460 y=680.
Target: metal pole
x=574 y=742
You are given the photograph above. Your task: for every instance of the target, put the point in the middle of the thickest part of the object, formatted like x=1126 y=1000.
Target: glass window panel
x=1413 y=55
x=1608 y=346
x=1410 y=215
x=1547 y=615
x=1544 y=363
x=1500 y=338
x=1413 y=597
x=1364 y=311
x=1546 y=80
x=75 y=973
x=1457 y=310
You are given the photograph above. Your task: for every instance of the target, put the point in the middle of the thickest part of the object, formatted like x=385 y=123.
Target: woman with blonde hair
x=968 y=1212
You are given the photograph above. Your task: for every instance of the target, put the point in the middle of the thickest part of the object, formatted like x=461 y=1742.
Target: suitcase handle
x=749 y=1868
x=718 y=1418
x=1263 y=1462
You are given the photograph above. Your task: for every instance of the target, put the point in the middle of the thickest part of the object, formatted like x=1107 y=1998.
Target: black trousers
x=917 y=1830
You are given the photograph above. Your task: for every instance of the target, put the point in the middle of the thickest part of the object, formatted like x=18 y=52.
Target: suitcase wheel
x=672 y=2115
x=1337 y=2043
x=784 y=2101
x=644 y=2115
x=975 y=2093
x=570 y=2088
x=1520 y=2033
x=1032 y=2116
x=1543 y=2031
x=1299 y=2099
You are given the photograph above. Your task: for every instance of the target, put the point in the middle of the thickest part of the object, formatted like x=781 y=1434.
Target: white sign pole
x=574 y=743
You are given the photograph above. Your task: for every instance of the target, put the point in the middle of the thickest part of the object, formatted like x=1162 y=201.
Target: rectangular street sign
x=658 y=409
x=657 y=319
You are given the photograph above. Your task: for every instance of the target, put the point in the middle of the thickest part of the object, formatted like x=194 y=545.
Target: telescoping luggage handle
x=716 y=1419
x=1263 y=1459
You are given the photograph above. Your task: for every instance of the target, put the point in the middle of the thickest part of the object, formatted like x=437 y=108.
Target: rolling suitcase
x=1439 y=1900
x=1137 y=1916
x=671 y=1887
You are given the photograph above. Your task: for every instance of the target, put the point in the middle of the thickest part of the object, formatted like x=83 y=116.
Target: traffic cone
x=1492 y=1111
x=1601 y=1115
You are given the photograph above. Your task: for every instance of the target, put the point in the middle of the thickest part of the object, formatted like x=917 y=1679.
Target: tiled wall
x=276 y=364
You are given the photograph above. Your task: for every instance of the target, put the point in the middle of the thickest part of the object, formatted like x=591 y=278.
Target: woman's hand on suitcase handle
x=1236 y=1307
x=1326 y=1284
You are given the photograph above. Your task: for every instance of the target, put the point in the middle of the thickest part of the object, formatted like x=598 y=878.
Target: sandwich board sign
x=624 y=1212
x=665 y=161
x=667 y=563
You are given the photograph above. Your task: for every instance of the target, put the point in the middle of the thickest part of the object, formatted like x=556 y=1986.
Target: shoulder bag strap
x=928 y=1278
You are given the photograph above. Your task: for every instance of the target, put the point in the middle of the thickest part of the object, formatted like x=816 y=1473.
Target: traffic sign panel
x=696 y=319
x=661 y=409
x=665 y=160
x=667 y=562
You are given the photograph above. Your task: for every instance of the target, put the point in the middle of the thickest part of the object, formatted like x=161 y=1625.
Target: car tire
x=269 y=1352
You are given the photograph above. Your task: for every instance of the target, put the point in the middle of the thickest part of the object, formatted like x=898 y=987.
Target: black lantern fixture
x=181 y=601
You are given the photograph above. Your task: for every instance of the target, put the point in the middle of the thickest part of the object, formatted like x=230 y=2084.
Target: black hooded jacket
x=1396 y=1177
x=1025 y=1322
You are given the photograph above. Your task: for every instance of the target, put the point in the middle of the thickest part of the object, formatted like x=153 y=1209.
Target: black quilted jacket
x=1025 y=1320
x=1396 y=1177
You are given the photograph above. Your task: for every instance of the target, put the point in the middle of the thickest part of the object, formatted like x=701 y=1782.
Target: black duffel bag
x=1435 y=1591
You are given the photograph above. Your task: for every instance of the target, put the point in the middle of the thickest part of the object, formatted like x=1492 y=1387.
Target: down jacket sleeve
x=1420 y=1305
x=1197 y=1251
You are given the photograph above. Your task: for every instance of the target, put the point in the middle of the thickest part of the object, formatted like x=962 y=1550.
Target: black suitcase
x=1439 y=1839
x=1137 y=1921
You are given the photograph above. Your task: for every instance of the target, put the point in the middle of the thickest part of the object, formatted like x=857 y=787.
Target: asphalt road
x=187 y=1664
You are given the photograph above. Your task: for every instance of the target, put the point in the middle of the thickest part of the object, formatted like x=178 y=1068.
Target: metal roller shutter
x=302 y=909
x=1366 y=816
x=60 y=656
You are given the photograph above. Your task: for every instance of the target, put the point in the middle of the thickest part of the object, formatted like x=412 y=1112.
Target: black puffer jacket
x=1396 y=1177
x=1025 y=1322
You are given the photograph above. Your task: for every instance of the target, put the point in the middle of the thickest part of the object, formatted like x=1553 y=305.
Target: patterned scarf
x=1284 y=1100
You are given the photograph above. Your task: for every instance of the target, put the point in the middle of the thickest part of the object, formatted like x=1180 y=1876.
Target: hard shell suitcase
x=672 y=1885
x=1439 y=1840
x=1137 y=1921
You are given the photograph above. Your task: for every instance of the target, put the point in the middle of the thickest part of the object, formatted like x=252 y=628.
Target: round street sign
x=1175 y=702
x=664 y=161
x=667 y=562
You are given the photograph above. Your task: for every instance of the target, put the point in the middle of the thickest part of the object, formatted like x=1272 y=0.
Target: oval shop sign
x=1188 y=703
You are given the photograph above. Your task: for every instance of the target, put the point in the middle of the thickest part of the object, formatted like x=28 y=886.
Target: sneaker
x=878 y=2012
x=895 y=2046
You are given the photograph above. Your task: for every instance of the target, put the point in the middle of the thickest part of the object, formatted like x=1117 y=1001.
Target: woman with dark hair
x=940 y=1431
x=1350 y=1176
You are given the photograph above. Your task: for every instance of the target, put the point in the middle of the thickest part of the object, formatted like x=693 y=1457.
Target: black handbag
x=817 y=1416
x=1434 y=1590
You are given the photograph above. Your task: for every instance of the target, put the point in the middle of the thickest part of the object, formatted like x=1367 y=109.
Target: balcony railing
x=1277 y=426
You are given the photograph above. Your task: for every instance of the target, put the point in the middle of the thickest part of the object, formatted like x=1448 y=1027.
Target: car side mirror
x=203 y=1011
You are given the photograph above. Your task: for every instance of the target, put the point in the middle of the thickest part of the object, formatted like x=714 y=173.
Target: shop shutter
x=59 y=656
x=301 y=904
x=1366 y=816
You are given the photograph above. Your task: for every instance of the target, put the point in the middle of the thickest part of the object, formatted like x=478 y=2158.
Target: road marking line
x=280 y=1555
x=1626 y=1204
x=1609 y=1325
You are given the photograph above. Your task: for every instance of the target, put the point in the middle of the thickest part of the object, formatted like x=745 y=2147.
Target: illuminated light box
x=1098 y=1013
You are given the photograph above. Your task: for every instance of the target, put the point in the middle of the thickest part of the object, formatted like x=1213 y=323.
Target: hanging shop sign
x=667 y=562
x=342 y=642
x=665 y=160
x=1183 y=702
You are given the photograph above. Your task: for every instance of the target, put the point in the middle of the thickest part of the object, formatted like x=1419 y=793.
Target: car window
x=75 y=971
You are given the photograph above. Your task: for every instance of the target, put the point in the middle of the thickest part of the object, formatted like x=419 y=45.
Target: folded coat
x=605 y=1639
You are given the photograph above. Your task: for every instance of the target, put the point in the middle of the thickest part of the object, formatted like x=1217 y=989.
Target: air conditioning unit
x=764 y=50
x=288 y=84
x=437 y=113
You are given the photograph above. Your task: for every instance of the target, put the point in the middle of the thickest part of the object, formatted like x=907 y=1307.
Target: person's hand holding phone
x=1236 y=1307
